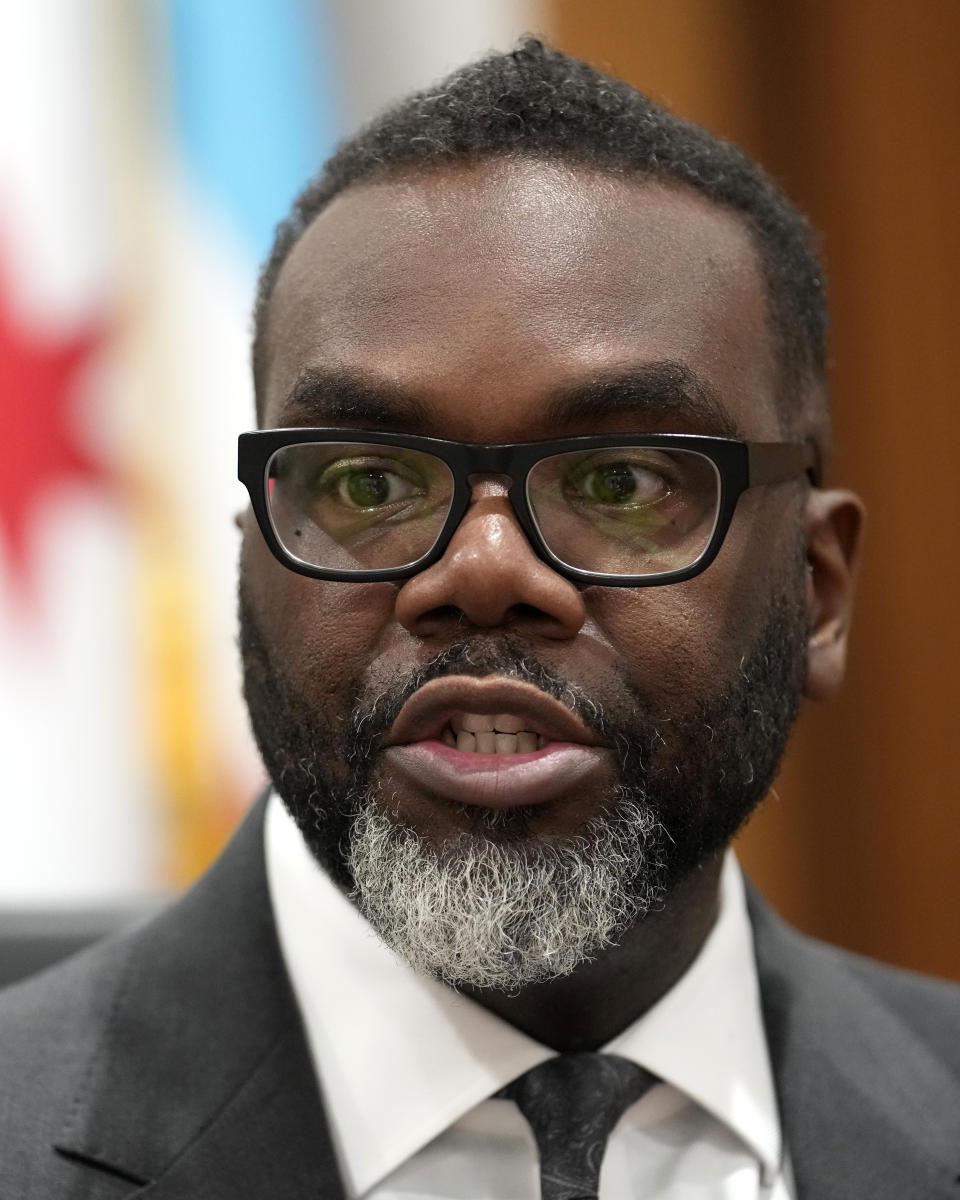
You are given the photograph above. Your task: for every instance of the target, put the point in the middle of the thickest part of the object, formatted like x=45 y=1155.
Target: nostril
x=528 y=612
x=443 y=616
x=449 y=620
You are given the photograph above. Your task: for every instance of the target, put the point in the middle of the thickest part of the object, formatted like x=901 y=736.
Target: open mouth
x=480 y=733
x=494 y=741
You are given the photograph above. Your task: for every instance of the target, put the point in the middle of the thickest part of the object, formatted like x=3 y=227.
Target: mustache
x=368 y=723
x=369 y=720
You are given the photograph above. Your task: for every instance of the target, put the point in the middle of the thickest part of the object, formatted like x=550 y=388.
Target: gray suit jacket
x=170 y=1062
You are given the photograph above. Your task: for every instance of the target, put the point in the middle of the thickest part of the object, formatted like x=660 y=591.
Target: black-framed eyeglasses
x=621 y=510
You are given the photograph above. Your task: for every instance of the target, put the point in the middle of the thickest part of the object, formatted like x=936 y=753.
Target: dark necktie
x=572 y=1103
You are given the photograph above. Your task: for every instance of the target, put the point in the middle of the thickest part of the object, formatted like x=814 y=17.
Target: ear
x=834 y=522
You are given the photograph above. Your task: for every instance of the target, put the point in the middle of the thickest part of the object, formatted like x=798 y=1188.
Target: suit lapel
x=259 y=1144
x=868 y=1112
x=202 y=1082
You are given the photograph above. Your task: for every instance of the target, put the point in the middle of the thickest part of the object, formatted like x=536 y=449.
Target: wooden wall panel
x=854 y=109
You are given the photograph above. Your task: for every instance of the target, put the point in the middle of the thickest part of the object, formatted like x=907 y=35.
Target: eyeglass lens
x=617 y=510
x=625 y=510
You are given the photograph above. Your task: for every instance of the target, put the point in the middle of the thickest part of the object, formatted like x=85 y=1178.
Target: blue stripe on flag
x=254 y=103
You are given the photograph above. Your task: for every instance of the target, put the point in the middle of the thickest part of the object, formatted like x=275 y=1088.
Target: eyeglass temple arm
x=775 y=462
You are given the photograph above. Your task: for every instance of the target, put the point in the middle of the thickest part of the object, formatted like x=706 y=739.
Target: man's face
x=473 y=304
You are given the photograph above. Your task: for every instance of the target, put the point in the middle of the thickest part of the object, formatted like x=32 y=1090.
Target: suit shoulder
x=837 y=989
x=930 y=1006
x=909 y=992
x=51 y=1019
x=50 y=1027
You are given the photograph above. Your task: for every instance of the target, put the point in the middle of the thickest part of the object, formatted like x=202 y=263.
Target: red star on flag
x=39 y=450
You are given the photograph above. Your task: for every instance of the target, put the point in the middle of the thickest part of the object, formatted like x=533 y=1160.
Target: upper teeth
x=481 y=733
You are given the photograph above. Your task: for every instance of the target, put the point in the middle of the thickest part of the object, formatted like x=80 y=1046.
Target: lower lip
x=495 y=780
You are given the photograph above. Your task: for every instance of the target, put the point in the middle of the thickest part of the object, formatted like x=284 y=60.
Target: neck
x=584 y=1010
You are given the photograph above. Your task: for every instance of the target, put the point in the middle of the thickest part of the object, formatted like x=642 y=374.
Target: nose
x=490 y=576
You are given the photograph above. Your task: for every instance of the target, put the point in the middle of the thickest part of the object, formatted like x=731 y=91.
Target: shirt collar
x=706 y=1035
x=401 y=1057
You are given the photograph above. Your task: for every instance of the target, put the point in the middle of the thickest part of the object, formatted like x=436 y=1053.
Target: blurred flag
x=247 y=118
x=73 y=821
x=145 y=152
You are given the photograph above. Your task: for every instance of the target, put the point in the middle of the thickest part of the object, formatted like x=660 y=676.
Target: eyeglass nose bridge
x=491 y=472
x=485 y=484
x=495 y=472
x=488 y=483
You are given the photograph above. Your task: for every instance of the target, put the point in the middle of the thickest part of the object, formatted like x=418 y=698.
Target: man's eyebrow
x=658 y=390
x=334 y=397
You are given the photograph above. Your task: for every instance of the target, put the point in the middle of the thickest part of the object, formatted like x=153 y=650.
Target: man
x=538 y=567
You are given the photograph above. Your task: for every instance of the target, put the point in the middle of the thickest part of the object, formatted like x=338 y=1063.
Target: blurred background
x=146 y=150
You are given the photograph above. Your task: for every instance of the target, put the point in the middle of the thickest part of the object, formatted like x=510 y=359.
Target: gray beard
x=488 y=913
x=498 y=907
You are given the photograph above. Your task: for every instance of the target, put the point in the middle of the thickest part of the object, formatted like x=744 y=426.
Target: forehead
x=481 y=293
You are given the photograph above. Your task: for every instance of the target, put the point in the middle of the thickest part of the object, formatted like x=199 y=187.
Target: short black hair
x=536 y=102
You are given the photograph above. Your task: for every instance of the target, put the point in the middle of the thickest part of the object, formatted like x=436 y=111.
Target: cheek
x=661 y=638
x=321 y=635
x=688 y=639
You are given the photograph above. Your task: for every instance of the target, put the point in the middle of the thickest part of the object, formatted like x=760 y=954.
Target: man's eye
x=369 y=487
x=621 y=483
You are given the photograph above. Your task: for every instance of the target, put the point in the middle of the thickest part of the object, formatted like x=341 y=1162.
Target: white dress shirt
x=406 y=1066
